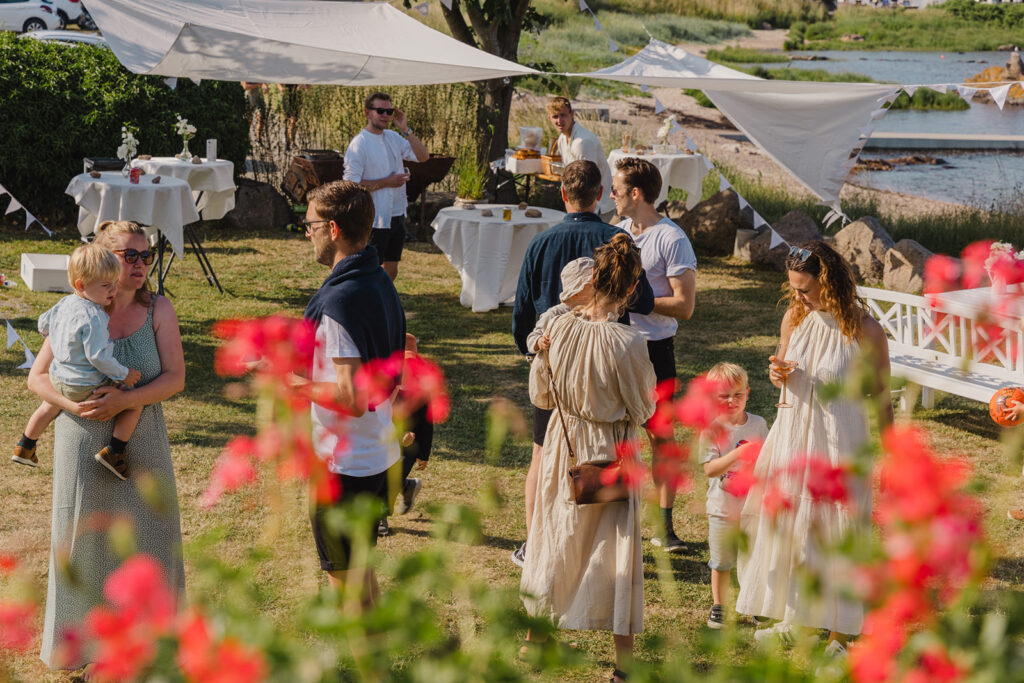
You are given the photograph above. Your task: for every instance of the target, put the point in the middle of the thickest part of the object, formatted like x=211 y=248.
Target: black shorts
x=332 y=546
x=389 y=243
x=541 y=418
x=663 y=357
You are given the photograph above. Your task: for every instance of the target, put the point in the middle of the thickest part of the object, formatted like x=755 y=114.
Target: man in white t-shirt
x=671 y=267
x=358 y=318
x=576 y=142
x=375 y=159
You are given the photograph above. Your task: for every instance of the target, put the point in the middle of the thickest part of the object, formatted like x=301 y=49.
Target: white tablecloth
x=212 y=182
x=166 y=206
x=685 y=171
x=488 y=251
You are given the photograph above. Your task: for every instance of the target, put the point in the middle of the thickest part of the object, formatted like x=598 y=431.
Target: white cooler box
x=45 y=272
x=523 y=166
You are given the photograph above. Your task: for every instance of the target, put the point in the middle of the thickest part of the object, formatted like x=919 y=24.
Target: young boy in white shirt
x=719 y=454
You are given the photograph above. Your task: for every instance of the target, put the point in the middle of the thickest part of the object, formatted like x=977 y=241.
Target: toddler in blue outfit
x=83 y=354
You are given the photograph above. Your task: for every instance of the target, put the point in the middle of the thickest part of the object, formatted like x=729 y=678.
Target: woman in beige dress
x=584 y=569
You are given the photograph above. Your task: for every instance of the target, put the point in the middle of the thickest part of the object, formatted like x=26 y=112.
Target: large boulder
x=712 y=224
x=795 y=227
x=258 y=207
x=675 y=210
x=904 y=267
x=864 y=244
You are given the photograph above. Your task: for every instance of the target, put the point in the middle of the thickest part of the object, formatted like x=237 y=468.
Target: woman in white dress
x=792 y=570
x=584 y=568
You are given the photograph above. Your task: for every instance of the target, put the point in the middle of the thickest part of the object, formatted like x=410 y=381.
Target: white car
x=23 y=16
x=67 y=37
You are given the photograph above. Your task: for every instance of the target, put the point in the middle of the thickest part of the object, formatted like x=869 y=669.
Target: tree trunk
x=492 y=109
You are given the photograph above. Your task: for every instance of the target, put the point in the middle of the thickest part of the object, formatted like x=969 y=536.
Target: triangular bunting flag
x=707 y=164
x=644 y=88
x=29 y=219
x=12 y=335
x=171 y=83
x=877 y=114
x=939 y=88
x=597 y=24
x=29 y=359
x=583 y=6
x=197 y=81
x=423 y=8
x=3 y=190
x=658 y=106
x=612 y=45
x=776 y=237
x=49 y=233
x=966 y=92
x=723 y=183
x=910 y=90
x=675 y=127
x=742 y=202
x=758 y=221
x=691 y=146
x=13 y=206
x=999 y=95
x=447 y=3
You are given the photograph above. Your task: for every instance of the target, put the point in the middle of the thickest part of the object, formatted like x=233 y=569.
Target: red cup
x=134 y=175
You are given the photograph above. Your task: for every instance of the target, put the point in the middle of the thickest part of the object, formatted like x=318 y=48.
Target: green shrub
x=926 y=98
x=820 y=31
x=795 y=37
x=744 y=55
x=701 y=98
x=472 y=175
x=63 y=103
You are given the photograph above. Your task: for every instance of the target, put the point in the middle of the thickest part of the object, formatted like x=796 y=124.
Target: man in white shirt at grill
x=375 y=160
x=576 y=142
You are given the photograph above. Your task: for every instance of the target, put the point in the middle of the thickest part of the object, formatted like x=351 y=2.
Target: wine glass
x=785 y=367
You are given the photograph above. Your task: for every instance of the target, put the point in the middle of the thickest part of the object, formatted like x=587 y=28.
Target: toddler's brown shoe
x=115 y=462
x=25 y=456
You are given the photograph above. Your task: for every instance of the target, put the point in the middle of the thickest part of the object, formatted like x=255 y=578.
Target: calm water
x=982 y=179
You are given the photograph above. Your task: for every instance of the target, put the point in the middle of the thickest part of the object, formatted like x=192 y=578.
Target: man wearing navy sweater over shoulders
x=540 y=283
x=358 y=318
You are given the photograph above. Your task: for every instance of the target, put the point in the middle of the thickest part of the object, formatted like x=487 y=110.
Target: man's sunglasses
x=384 y=110
x=131 y=256
x=308 y=225
x=802 y=254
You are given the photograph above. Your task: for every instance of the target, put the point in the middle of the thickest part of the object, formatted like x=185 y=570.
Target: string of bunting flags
x=12 y=339
x=29 y=218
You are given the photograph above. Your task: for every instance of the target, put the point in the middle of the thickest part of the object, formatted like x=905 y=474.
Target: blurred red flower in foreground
x=700 y=407
x=17 y=620
x=281 y=345
x=203 y=660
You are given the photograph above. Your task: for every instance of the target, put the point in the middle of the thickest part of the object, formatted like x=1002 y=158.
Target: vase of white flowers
x=662 y=146
x=128 y=149
x=187 y=131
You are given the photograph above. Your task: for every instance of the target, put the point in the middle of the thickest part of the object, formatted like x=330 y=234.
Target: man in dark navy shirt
x=540 y=283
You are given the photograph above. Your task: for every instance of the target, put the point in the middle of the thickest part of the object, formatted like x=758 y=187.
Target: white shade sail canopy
x=808 y=128
x=289 y=41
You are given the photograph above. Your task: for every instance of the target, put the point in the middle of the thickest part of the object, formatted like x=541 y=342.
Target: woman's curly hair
x=838 y=286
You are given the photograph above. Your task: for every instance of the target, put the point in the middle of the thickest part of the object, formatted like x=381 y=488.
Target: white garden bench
x=943 y=347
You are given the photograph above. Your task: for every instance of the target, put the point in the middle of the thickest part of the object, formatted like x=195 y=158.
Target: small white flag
x=966 y=92
x=910 y=90
x=776 y=237
x=942 y=88
x=447 y=3
x=29 y=219
x=691 y=146
x=658 y=106
x=742 y=202
x=423 y=8
x=877 y=114
x=866 y=131
x=29 y=359
x=13 y=206
x=12 y=335
x=675 y=127
x=197 y=81
x=707 y=164
x=49 y=233
x=723 y=183
x=644 y=88
x=999 y=95
x=612 y=45
x=758 y=221
x=171 y=83
x=583 y=6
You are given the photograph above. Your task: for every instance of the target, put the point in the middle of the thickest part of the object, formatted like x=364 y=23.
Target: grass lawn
x=736 y=319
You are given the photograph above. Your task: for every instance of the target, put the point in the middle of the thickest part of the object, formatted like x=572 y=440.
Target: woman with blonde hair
x=146 y=337
x=792 y=569
x=584 y=568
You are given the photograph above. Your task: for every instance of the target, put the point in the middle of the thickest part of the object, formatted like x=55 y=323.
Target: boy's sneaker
x=671 y=544
x=519 y=556
x=835 y=662
x=410 y=489
x=383 y=528
x=716 y=619
x=25 y=456
x=782 y=633
x=117 y=463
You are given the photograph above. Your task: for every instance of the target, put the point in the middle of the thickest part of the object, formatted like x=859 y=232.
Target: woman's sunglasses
x=802 y=254
x=131 y=256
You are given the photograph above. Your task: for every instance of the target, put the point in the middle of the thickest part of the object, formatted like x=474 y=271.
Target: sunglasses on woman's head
x=131 y=255
x=803 y=254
